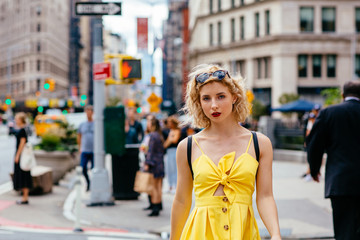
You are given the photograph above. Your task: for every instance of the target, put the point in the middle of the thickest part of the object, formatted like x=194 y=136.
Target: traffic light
x=130 y=69
x=52 y=84
x=49 y=84
x=8 y=101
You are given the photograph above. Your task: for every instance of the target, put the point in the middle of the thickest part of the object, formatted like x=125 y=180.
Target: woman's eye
x=221 y=96
x=206 y=98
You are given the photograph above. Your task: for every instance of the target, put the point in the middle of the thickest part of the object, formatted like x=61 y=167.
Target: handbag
x=27 y=159
x=144 y=182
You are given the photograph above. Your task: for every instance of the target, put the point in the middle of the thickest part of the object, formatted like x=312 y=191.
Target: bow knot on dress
x=224 y=179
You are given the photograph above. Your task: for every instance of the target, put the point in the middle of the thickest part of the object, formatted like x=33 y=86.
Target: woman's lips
x=216 y=114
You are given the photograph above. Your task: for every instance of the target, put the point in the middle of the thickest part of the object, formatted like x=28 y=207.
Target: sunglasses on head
x=219 y=74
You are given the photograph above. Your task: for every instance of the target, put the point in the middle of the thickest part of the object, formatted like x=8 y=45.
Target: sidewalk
x=303 y=211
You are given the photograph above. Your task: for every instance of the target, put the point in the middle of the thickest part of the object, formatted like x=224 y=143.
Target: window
x=302 y=65
x=267 y=22
x=211 y=31
x=232 y=3
x=38 y=67
x=316 y=62
x=38 y=28
x=211 y=6
x=240 y=67
x=267 y=66
x=242 y=28
x=257 y=27
x=258 y=68
x=306 y=19
x=219 y=33
x=242 y=2
x=219 y=5
x=357 y=65
x=328 y=19
x=331 y=66
x=38 y=47
x=38 y=84
x=357 y=19
x=233 y=30
x=38 y=10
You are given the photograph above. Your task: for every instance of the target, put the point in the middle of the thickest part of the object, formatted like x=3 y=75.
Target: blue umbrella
x=296 y=106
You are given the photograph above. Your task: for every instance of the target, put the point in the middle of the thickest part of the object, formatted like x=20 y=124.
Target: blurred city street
x=303 y=211
x=95 y=86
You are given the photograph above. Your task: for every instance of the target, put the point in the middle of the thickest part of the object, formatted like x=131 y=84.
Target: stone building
x=279 y=46
x=34 y=46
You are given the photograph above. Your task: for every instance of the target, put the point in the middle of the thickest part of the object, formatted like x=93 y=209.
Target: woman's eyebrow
x=216 y=94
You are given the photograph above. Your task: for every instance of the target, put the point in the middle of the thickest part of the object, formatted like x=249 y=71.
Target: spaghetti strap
x=198 y=144
x=247 y=149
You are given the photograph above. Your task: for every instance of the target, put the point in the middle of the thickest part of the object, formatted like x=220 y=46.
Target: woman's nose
x=214 y=104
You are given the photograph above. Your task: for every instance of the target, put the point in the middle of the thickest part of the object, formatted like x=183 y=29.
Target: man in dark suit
x=336 y=131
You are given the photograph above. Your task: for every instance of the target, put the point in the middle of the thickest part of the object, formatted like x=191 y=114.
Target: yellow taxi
x=43 y=123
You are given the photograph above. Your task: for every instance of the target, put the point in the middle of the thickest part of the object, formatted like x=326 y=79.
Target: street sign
x=97 y=8
x=101 y=71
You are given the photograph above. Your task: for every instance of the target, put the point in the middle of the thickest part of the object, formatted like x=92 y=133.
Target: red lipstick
x=216 y=114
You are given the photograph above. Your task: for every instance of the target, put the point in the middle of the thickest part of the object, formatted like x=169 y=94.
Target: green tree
x=332 y=96
x=288 y=97
x=113 y=101
x=258 y=109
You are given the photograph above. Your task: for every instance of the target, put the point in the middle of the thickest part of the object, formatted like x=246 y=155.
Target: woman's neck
x=224 y=129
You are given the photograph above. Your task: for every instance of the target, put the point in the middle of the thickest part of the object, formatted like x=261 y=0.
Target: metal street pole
x=100 y=187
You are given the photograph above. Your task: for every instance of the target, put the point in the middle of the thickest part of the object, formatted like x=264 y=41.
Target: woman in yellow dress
x=226 y=161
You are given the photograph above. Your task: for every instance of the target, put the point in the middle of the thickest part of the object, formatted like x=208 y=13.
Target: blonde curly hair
x=195 y=115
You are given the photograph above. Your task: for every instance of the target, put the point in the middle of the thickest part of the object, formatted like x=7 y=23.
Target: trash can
x=125 y=162
x=124 y=169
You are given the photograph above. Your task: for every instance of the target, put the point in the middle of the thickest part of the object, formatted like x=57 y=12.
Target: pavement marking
x=6 y=187
x=6 y=232
x=106 y=238
x=69 y=206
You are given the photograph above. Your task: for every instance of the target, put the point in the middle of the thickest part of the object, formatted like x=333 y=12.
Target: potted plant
x=57 y=150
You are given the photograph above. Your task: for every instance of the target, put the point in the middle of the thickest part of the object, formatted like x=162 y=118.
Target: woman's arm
x=264 y=195
x=20 y=149
x=183 y=196
x=149 y=156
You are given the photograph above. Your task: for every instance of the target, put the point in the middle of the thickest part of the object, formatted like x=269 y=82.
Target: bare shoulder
x=182 y=145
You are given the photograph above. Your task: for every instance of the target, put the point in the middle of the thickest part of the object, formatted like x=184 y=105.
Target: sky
x=125 y=25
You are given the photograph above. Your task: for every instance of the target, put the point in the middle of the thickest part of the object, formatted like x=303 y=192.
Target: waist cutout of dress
x=217 y=201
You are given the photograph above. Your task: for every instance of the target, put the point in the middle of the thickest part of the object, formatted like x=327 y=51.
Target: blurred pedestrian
x=336 y=131
x=165 y=129
x=309 y=125
x=170 y=144
x=222 y=163
x=22 y=179
x=154 y=163
x=144 y=147
x=85 y=140
x=133 y=129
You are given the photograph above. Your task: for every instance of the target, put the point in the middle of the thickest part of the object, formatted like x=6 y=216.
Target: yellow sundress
x=223 y=217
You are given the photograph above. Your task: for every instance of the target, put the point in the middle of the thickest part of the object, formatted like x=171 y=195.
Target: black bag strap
x=256 y=145
x=189 y=146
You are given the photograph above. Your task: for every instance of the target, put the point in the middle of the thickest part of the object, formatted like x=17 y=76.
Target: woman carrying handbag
x=154 y=163
x=22 y=179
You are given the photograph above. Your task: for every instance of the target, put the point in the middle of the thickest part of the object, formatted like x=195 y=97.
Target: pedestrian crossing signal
x=130 y=69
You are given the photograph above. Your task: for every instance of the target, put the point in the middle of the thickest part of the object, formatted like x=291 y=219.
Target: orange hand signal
x=126 y=69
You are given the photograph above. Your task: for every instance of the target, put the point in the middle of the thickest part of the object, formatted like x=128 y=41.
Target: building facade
x=176 y=49
x=34 y=46
x=279 y=46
